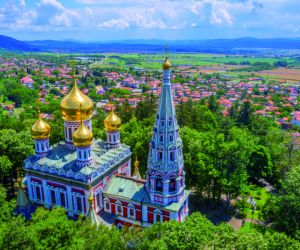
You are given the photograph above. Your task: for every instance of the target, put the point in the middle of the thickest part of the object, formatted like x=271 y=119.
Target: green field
x=153 y=61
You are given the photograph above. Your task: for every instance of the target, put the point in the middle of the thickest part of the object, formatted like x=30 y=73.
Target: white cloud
x=151 y=15
x=114 y=23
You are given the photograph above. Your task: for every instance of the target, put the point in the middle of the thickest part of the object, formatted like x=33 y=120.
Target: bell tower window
x=159 y=185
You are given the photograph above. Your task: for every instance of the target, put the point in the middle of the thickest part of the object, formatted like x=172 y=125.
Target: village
x=276 y=98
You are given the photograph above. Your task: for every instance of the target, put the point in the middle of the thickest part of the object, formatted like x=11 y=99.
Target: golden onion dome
x=70 y=105
x=166 y=64
x=40 y=129
x=83 y=137
x=112 y=122
x=91 y=199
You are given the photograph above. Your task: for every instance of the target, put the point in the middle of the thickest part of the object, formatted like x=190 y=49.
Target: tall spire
x=165 y=175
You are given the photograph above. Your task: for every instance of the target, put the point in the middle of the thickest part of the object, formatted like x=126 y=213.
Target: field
x=282 y=74
x=203 y=63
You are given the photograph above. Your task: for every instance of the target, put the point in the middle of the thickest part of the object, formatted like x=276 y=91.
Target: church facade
x=93 y=177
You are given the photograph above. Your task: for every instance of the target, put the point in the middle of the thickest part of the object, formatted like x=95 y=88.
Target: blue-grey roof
x=131 y=189
x=127 y=188
x=61 y=161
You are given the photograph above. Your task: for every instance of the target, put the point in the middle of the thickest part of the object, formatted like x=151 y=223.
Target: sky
x=102 y=20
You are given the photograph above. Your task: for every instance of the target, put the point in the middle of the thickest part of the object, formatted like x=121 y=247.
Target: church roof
x=127 y=188
x=131 y=189
x=61 y=161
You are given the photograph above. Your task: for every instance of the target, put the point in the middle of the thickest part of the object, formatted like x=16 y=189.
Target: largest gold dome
x=40 y=129
x=70 y=105
x=112 y=122
x=83 y=137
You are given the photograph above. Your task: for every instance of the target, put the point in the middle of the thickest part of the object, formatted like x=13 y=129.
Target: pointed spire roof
x=136 y=173
x=91 y=212
x=22 y=200
x=165 y=137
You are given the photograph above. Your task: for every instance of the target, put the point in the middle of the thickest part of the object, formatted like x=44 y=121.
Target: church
x=93 y=177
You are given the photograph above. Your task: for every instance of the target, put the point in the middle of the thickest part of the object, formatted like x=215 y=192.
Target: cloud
x=152 y=16
x=114 y=23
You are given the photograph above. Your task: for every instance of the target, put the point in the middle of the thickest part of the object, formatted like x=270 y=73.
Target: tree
x=284 y=209
x=16 y=147
x=260 y=164
x=137 y=135
x=245 y=113
x=234 y=158
x=213 y=104
x=5 y=167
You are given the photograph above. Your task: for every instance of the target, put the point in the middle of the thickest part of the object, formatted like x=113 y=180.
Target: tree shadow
x=215 y=211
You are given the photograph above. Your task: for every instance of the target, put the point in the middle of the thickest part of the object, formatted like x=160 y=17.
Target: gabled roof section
x=127 y=188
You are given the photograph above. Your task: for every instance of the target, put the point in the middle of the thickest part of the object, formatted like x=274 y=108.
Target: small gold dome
x=166 y=64
x=112 y=122
x=19 y=182
x=70 y=105
x=91 y=199
x=83 y=137
x=136 y=163
x=40 y=129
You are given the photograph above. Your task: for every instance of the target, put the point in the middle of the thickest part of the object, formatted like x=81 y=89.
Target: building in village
x=93 y=177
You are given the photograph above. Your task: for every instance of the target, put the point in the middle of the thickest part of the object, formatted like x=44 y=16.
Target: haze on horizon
x=100 y=20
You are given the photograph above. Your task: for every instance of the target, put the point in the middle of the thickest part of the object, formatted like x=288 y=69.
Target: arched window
x=62 y=198
x=159 y=185
x=159 y=155
x=172 y=156
x=131 y=211
x=79 y=203
x=119 y=208
x=172 y=185
x=106 y=205
x=161 y=138
x=70 y=133
x=157 y=216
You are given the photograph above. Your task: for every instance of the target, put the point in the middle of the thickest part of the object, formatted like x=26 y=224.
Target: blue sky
x=95 y=20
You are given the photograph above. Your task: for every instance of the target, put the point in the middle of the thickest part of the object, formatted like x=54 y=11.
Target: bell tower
x=165 y=174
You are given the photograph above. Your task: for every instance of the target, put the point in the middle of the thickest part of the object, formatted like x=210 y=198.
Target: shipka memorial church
x=93 y=177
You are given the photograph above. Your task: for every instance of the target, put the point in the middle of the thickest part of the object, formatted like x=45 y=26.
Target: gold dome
x=112 y=122
x=40 y=129
x=91 y=199
x=166 y=64
x=83 y=137
x=70 y=105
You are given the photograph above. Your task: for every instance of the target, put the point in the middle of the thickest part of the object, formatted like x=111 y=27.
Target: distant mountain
x=9 y=43
x=237 y=45
x=148 y=46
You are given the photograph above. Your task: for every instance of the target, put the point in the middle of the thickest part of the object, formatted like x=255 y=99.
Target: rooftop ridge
x=131 y=178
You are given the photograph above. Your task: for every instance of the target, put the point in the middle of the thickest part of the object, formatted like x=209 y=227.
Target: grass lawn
x=260 y=196
x=250 y=227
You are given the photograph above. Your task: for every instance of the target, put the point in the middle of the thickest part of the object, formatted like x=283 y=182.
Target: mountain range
x=148 y=46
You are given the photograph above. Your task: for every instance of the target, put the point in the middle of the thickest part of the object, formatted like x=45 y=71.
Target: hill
x=238 y=45
x=151 y=46
x=12 y=44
